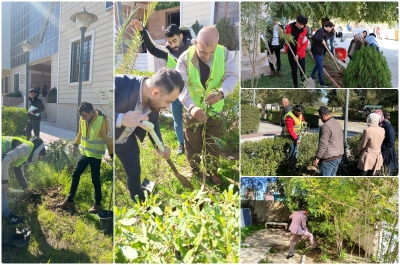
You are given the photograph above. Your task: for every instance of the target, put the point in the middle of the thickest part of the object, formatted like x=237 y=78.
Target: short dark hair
x=32 y=91
x=168 y=80
x=324 y=111
x=85 y=107
x=302 y=19
x=372 y=34
x=386 y=114
x=298 y=108
x=329 y=24
x=172 y=30
x=365 y=32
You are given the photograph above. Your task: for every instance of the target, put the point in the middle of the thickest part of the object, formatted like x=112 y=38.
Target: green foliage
x=13 y=121
x=202 y=229
x=368 y=68
x=355 y=115
x=197 y=27
x=227 y=33
x=249 y=119
x=394 y=120
x=262 y=45
x=17 y=94
x=276 y=118
x=249 y=230
x=311 y=119
x=58 y=154
x=52 y=97
x=230 y=132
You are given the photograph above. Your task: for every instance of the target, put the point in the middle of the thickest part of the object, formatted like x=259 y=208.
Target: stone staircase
x=262 y=66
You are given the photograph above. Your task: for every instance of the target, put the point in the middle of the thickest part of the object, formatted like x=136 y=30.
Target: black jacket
x=285 y=111
x=156 y=52
x=126 y=95
x=37 y=103
x=388 y=149
x=317 y=47
x=270 y=30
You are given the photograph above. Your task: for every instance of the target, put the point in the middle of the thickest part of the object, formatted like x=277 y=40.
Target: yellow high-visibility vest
x=92 y=146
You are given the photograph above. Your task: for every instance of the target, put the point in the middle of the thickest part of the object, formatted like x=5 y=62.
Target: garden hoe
x=308 y=82
x=326 y=47
x=183 y=180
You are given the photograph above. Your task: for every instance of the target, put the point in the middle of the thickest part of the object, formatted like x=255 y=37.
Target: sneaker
x=66 y=204
x=315 y=78
x=13 y=219
x=289 y=256
x=95 y=208
x=181 y=149
x=317 y=250
x=325 y=85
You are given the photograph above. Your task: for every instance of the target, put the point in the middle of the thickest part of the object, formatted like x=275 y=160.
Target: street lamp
x=27 y=48
x=83 y=20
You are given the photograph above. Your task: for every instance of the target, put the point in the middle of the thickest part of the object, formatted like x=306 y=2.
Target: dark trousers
x=32 y=125
x=80 y=167
x=277 y=50
x=294 y=67
x=129 y=155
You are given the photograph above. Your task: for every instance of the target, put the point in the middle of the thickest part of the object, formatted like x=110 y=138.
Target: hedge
x=276 y=118
x=355 y=115
x=249 y=119
x=13 y=121
x=17 y=94
x=269 y=157
x=394 y=120
x=52 y=97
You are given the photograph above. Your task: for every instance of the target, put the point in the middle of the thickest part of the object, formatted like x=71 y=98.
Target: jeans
x=176 y=108
x=331 y=44
x=277 y=50
x=318 y=66
x=80 y=167
x=32 y=125
x=294 y=150
x=129 y=155
x=5 y=210
x=329 y=168
x=294 y=67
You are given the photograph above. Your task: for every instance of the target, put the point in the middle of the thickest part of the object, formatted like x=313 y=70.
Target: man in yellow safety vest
x=94 y=136
x=208 y=71
x=293 y=123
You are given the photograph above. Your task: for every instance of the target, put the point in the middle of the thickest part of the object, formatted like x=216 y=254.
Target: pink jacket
x=299 y=223
x=370 y=148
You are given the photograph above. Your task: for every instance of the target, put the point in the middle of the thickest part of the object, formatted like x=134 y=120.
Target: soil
x=275 y=245
x=332 y=70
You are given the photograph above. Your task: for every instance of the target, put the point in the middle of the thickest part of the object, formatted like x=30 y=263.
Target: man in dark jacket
x=37 y=89
x=34 y=118
x=136 y=99
x=275 y=45
x=44 y=90
x=17 y=152
x=330 y=145
x=177 y=44
x=388 y=151
x=285 y=110
x=318 y=50
x=298 y=31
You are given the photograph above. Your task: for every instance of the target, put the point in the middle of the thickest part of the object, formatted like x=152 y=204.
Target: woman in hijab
x=371 y=159
x=355 y=44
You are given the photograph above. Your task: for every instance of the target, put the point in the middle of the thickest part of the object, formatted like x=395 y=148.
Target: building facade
x=55 y=56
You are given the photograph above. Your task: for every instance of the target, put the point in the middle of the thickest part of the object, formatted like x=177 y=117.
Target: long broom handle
x=326 y=47
x=301 y=69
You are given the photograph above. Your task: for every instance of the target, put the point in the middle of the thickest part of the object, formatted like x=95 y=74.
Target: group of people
x=296 y=49
x=44 y=89
x=376 y=149
x=198 y=71
x=362 y=39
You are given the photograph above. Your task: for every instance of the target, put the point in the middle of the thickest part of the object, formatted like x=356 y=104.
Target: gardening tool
x=326 y=47
x=183 y=180
x=271 y=57
x=308 y=82
x=107 y=217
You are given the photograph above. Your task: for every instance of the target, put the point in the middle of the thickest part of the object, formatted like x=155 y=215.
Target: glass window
x=74 y=71
x=16 y=82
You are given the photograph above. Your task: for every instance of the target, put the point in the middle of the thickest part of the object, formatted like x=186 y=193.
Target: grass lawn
x=285 y=81
x=249 y=230
x=59 y=236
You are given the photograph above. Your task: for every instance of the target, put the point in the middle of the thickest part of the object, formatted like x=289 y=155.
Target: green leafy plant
x=13 y=121
x=197 y=27
x=310 y=117
x=249 y=119
x=203 y=229
x=52 y=97
x=17 y=94
x=227 y=34
x=262 y=45
x=367 y=68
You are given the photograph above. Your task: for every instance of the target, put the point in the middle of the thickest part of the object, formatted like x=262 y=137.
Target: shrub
x=355 y=115
x=17 y=94
x=13 y=121
x=227 y=34
x=202 y=229
x=197 y=27
x=276 y=118
x=52 y=97
x=368 y=68
x=249 y=119
x=230 y=132
x=311 y=119
x=394 y=120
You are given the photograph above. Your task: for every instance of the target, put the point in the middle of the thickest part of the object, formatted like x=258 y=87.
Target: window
x=5 y=84
x=226 y=9
x=109 y=5
x=86 y=59
x=16 y=82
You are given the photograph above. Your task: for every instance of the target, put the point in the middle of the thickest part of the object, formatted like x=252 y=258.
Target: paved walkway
x=49 y=132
